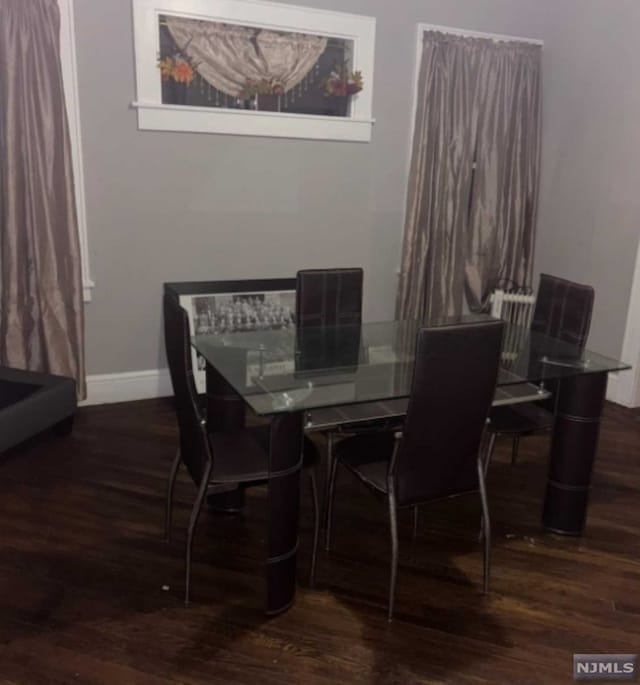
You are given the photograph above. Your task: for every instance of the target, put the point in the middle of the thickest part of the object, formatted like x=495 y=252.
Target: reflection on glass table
x=282 y=370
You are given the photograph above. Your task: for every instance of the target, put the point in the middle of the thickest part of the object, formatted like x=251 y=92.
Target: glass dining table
x=289 y=374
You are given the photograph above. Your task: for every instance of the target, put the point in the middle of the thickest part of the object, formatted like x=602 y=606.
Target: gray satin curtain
x=468 y=228
x=41 y=308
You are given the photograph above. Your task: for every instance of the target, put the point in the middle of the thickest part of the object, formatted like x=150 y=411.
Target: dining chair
x=328 y=297
x=328 y=318
x=333 y=297
x=437 y=454
x=562 y=311
x=214 y=459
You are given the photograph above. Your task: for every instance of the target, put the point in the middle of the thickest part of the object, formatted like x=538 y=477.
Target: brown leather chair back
x=194 y=443
x=328 y=297
x=563 y=309
x=454 y=381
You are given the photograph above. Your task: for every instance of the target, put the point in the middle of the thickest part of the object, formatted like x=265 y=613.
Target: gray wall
x=589 y=218
x=175 y=206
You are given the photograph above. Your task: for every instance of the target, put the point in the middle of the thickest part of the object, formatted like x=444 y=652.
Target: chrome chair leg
x=486 y=527
x=330 y=497
x=514 y=449
x=169 y=504
x=486 y=460
x=193 y=522
x=488 y=455
x=393 y=525
x=316 y=525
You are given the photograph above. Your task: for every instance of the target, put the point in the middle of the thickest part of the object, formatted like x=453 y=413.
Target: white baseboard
x=622 y=389
x=127 y=387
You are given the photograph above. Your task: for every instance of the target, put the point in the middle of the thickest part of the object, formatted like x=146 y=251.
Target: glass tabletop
x=301 y=369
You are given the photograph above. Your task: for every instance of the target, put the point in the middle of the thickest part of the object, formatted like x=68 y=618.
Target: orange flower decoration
x=178 y=68
x=166 y=68
x=183 y=72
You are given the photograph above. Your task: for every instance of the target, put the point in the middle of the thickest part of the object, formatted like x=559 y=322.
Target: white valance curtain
x=229 y=56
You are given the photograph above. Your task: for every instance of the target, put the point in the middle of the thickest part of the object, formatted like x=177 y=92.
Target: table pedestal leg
x=285 y=465
x=573 y=448
x=226 y=412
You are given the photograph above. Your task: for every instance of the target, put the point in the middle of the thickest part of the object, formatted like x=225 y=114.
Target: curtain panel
x=473 y=184
x=41 y=312
x=228 y=56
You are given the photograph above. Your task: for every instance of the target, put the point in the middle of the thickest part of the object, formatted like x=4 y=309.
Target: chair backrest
x=331 y=351
x=563 y=309
x=454 y=381
x=194 y=443
x=328 y=297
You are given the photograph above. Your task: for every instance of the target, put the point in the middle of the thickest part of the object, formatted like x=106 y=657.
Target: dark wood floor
x=90 y=594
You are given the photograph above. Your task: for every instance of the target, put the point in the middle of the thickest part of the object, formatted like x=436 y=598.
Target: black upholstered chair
x=328 y=297
x=333 y=297
x=438 y=452
x=214 y=459
x=563 y=311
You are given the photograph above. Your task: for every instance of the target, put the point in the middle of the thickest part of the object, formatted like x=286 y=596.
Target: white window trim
x=500 y=37
x=70 y=81
x=628 y=386
x=154 y=115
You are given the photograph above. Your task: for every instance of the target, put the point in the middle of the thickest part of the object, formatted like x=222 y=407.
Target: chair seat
x=521 y=419
x=368 y=455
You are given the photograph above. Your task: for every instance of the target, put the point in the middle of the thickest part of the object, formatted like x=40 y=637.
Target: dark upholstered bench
x=32 y=402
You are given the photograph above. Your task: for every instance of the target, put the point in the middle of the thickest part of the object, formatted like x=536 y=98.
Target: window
x=253 y=68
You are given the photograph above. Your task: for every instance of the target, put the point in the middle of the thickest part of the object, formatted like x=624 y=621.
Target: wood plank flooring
x=90 y=594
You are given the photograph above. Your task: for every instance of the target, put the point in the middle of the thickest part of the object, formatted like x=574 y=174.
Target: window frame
x=153 y=114
x=70 y=82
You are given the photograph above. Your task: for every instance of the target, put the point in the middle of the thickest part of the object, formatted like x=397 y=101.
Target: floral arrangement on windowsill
x=341 y=82
x=179 y=67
